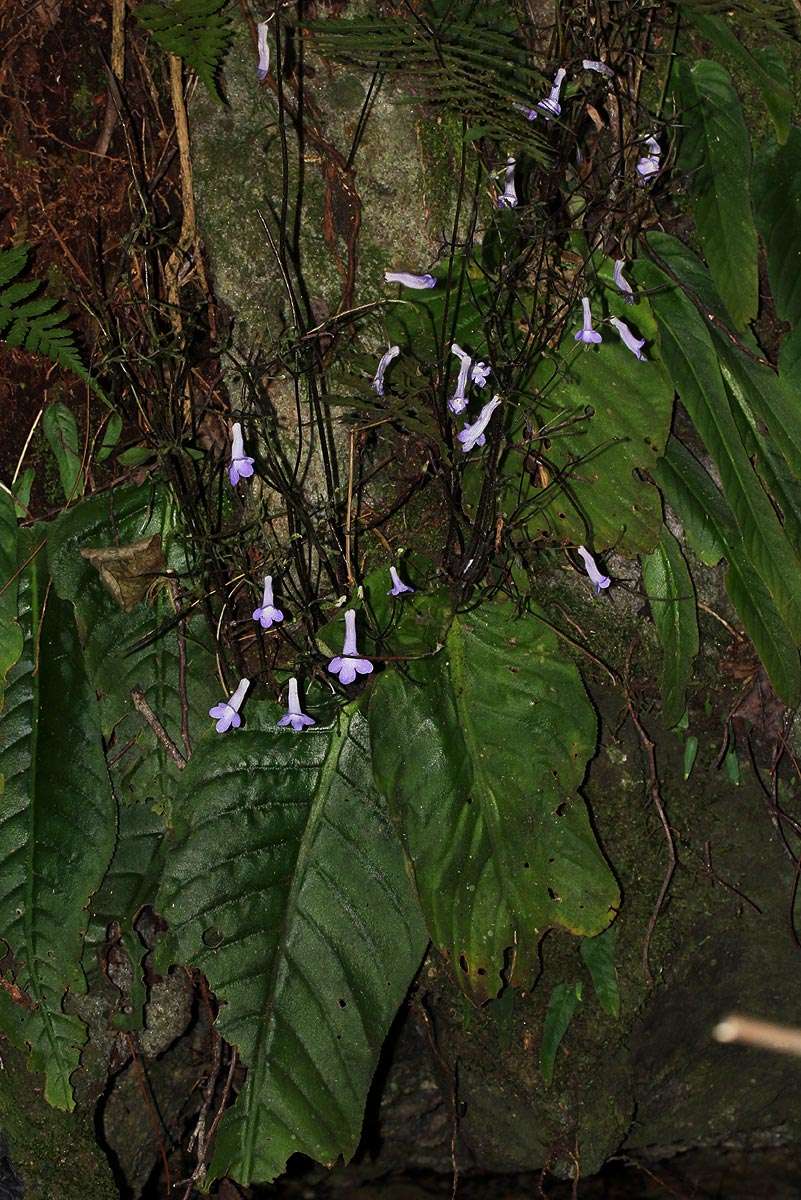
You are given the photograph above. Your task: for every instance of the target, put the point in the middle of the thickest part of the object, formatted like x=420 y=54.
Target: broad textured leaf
x=670 y=592
x=765 y=70
x=10 y=630
x=598 y=956
x=57 y=823
x=692 y=360
x=140 y=648
x=480 y=752
x=561 y=1007
x=790 y=362
x=61 y=431
x=777 y=194
x=691 y=492
x=287 y=888
x=610 y=416
x=716 y=152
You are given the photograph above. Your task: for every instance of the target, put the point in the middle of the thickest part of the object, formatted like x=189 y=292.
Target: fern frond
x=198 y=31
x=474 y=69
x=36 y=324
x=771 y=16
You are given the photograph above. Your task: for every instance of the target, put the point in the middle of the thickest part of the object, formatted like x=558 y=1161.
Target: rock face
x=651 y=1081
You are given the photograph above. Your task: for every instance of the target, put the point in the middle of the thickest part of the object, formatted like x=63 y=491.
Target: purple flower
x=479 y=373
x=386 y=359
x=473 y=435
x=632 y=343
x=458 y=401
x=550 y=107
x=622 y=285
x=349 y=664
x=398 y=586
x=240 y=467
x=509 y=197
x=648 y=164
x=267 y=614
x=587 y=334
x=263 y=28
x=412 y=281
x=598 y=580
x=227 y=713
x=589 y=64
x=295 y=716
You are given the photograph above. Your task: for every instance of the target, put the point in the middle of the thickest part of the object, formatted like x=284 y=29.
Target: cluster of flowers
x=350 y=663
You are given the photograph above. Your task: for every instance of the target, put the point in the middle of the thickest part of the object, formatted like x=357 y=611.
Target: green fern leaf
x=198 y=31
x=36 y=324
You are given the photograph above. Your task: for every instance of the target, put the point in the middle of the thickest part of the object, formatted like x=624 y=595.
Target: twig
x=141 y=705
x=117 y=70
x=647 y=743
x=749 y=1031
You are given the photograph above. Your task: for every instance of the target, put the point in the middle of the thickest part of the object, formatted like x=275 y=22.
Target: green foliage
x=36 y=324
x=198 y=31
x=777 y=192
x=670 y=592
x=562 y=1004
x=765 y=70
x=601 y=419
x=716 y=153
x=56 y=824
x=692 y=360
x=286 y=886
x=690 y=490
x=474 y=64
x=61 y=431
x=11 y=640
x=499 y=842
x=598 y=956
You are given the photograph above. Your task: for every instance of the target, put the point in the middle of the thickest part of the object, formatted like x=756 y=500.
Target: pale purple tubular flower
x=599 y=581
x=350 y=663
x=479 y=373
x=509 y=197
x=386 y=359
x=267 y=614
x=600 y=68
x=458 y=401
x=551 y=106
x=411 y=281
x=295 y=716
x=632 y=343
x=623 y=285
x=263 y=29
x=227 y=712
x=241 y=466
x=398 y=586
x=648 y=164
x=587 y=334
x=473 y=435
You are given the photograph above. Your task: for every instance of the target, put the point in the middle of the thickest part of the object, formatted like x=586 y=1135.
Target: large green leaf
x=61 y=431
x=777 y=195
x=598 y=956
x=562 y=1004
x=600 y=419
x=670 y=592
x=716 y=152
x=766 y=70
x=692 y=360
x=57 y=823
x=10 y=631
x=135 y=649
x=700 y=506
x=287 y=887
x=480 y=752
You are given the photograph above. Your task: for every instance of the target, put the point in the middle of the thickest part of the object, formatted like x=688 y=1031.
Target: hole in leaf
x=481 y=971
x=554 y=895
x=526 y=866
x=342 y=1003
x=463 y=963
x=213 y=938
